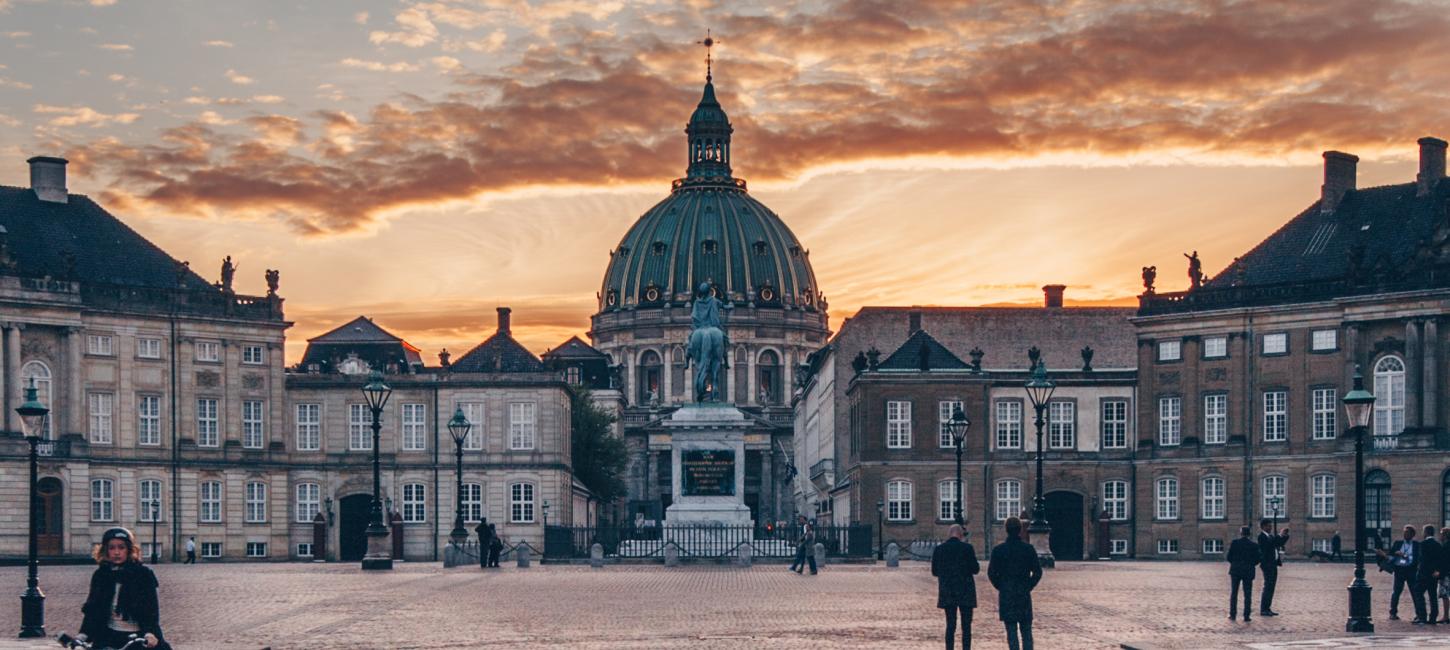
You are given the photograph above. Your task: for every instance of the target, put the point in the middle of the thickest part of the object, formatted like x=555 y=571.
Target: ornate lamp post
x=32 y=602
x=546 y=514
x=458 y=427
x=880 y=531
x=379 y=556
x=1359 y=407
x=957 y=427
x=1039 y=391
x=155 y=508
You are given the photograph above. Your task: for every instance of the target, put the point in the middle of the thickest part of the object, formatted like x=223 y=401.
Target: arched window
x=1389 y=392
x=898 y=501
x=415 y=503
x=309 y=502
x=148 y=498
x=472 y=502
x=40 y=372
x=948 y=500
x=1167 y=501
x=1211 y=500
x=768 y=378
x=1275 y=497
x=677 y=371
x=1377 y=508
x=649 y=377
x=1009 y=499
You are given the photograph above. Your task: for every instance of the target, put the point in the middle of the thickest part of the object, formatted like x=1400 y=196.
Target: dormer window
x=795 y=251
x=709 y=247
x=758 y=247
x=658 y=248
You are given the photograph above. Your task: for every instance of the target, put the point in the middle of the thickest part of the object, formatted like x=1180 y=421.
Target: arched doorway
x=1064 y=514
x=50 y=534
x=352 y=541
x=1377 y=520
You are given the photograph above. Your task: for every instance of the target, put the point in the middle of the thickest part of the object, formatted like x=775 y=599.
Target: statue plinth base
x=708 y=496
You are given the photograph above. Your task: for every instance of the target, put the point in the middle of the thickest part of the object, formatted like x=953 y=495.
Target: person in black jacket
x=954 y=562
x=1014 y=570
x=1444 y=587
x=485 y=541
x=1426 y=576
x=122 y=599
x=1243 y=557
x=1269 y=545
x=1403 y=561
x=495 y=546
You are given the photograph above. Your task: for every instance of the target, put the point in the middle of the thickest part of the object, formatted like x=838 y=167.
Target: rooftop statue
x=708 y=344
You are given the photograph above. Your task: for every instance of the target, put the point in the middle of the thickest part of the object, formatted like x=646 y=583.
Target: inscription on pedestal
x=707 y=472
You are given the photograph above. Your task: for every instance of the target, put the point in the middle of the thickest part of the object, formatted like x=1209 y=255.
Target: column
x=1412 y=375
x=731 y=392
x=1430 y=359
x=13 y=365
x=74 y=408
x=667 y=381
x=787 y=375
x=1352 y=356
x=767 y=483
x=750 y=380
x=4 y=377
x=629 y=386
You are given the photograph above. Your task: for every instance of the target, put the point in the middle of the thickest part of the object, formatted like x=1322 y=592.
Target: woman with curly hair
x=122 y=599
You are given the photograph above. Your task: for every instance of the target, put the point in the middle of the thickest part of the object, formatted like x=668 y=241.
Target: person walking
x=190 y=551
x=485 y=541
x=1014 y=570
x=1334 y=546
x=1269 y=545
x=1403 y=561
x=1445 y=576
x=805 y=546
x=1243 y=557
x=1427 y=576
x=954 y=562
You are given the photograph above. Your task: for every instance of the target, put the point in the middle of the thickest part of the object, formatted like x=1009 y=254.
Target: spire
x=709 y=43
x=709 y=128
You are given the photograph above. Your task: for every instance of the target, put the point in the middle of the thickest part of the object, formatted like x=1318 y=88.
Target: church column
x=1412 y=375
x=630 y=385
x=787 y=375
x=667 y=381
x=1430 y=359
x=750 y=379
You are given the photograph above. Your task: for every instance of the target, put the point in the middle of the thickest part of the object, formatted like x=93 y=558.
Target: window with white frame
x=211 y=550
x=101 y=416
x=1115 y=499
x=521 y=503
x=38 y=372
x=1323 y=496
x=1389 y=392
x=99 y=344
x=256 y=512
x=309 y=427
x=253 y=355
x=1167 y=546
x=1211 y=498
x=415 y=421
x=1323 y=402
x=473 y=411
x=1276 y=343
x=1170 y=421
x=1009 y=424
x=208 y=351
x=898 y=424
x=1324 y=340
x=148 y=419
x=1167 y=498
x=521 y=425
x=415 y=503
x=1275 y=491
x=1009 y=499
x=573 y=376
x=1170 y=350
x=359 y=424
x=103 y=496
x=148 y=497
x=1276 y=415
x=149 y=550
x=209 y=508
x=1215 y=419
x=254 y=416
x=947 y=494
x=309 y=502
x=1115 y=424
x=1215 y=347
x=148 y=348
x=1118 y=547
x=256 y=549
x=1322 y=545
x=206 y=423
x=944 y=412
x=1212 y=546
x=898 y=501
x=1061 y=424
x=304 y=549
x=472 y=502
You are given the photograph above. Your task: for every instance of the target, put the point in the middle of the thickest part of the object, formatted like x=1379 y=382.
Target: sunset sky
x=425 y=162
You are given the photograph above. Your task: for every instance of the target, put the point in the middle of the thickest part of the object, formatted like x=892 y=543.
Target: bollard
x=744 y=554
x=672 y=554
x=893 y=555
x=523 y=554
x=820 y=551
x=596 y=555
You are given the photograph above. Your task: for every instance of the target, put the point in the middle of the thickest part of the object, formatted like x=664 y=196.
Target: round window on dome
x=652 y=294
x=611 y=298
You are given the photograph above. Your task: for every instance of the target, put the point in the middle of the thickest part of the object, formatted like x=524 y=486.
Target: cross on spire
x=709 y=43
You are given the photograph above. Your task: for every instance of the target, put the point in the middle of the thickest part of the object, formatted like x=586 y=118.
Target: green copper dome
x=709 y=230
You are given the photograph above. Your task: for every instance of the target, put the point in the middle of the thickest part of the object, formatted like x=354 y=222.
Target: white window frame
x=101 y=345
x=359 y=427
x=304 y=549
x=256 y=549
x=1115 y=500
x=148 y=348
x=1168 y=547
x=308 y=502
x=1323 y=414
x=521 y=503
x=1322 y=545
x=946 y=496
x=414 y=431
x=1324 y=340
x=1215 y=419
x=256 y=503
x=1322 y=490
x=1009 y=499
x=103 y=499
x=1275 y=485
x=44 y=382
x=898 y=500
x=1166 y=502
x=1008 y=424
x=898 y=424
x=1114 y=426
x=1170 y=350
x=1170 y=421
x=1213 y=498
x=472 y=499
x=1215 y=347
x=944 y=411
x=1212 y=546
x=1061 y=424
x=210 y=550
x=308 y=426
x=474 y=412
x=209 y=502
x=415 y=503
x=148 y=420
x=254 y=355
x=208 y=431
x=1118 y=547
x=144 y=501
x=523 y=425
x=101 y=409
x=1276 y=343
x=1389 y=392
x=208 y=351
x=254 y=427
x=1276 y=415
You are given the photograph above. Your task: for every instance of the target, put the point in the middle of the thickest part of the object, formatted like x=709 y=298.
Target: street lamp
x=32 y=602
x=880 y=531
x=546 y=514
x=379 y=556
x=155 y=508
x=1039 y=391
x=458 y=427
x=1358 y=408
x=957 y=427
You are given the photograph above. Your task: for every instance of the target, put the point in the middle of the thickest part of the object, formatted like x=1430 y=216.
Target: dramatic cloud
x=83 y=116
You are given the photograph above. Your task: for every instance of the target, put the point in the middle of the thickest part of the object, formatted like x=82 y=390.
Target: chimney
x=503 y=321
x=1432 y=165
x=913 y=322
x=47 y=178
x=1339 y=170
x=1052 y=296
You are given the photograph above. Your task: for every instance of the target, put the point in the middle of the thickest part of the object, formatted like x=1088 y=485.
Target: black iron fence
x=701 y=542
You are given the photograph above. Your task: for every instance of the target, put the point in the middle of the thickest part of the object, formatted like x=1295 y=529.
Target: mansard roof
x=922 y=352
x=363 y=338
x=498 y=353
x=575 y=349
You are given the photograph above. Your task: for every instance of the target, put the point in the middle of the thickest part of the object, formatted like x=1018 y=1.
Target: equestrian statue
x=708 y=345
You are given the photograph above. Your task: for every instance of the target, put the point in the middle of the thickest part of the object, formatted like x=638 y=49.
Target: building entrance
x=1064 y=514
x=352 y=541
x=49 y=535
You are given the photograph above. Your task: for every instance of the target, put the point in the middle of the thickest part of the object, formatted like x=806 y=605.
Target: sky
x=423 y=163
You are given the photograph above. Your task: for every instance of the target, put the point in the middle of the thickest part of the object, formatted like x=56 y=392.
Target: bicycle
x=136 y=642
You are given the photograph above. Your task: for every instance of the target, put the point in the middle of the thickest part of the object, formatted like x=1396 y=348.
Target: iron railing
x=701 y=542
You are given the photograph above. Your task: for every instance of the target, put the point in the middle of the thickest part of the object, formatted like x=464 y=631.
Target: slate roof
x=498 y=353
x=358 y=330
x=364 y=338
x=910 y=355
x=575 y=349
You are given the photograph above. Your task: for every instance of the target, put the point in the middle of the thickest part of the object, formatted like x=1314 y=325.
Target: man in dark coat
x=954 y=562
x=1014 y=570
x=1335 y=546
x=1403 y=561
x=1269 y=545
x=1243 y=557
x=485 y=540
x=1427 y=576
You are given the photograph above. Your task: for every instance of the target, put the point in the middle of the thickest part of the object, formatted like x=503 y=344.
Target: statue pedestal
x=707 y=463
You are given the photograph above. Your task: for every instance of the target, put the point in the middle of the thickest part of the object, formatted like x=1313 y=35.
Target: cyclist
x=122 y=599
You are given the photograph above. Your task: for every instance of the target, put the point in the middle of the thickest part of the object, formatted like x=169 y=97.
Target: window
x=1118 y=547
x=472 y=502
x=147 y=348
x=1276 y=416
x=148 y=419
x=1274 y=499
x=521 y=425
x=1170 y=350
x=209 y=510
x=253 y=355
x=947 y=506
x=253 y=431
x=1324 y=340
x=101 y=420
x=1377 y=506
x=1009 y=499
x=103 y=494
x=1170 y=421
x=208 y=351
x=1215 y=419
x=1215 y=347
x=308 y=502
x=256 y=502
x=1115 y=424
x=304 y=549
x=211 y=549
x=1212 y=546
x=414 y=427
x=649 y=377
x=415 y=503
x=256 y=549
x=898 y=425
x=149 y=500
x=1323 y=546
x=40 y=374
x=1324 y=401
x=944 y=412
x=1167 y=498
x=1211 y=498
x=572 y=375
x=1276 y=343
x=99 y=344
x=1167 y=546
x=1061 y=425
x=149 y=550
x=206 y=423
x=474 y=412
x=309 y=427
x=521 y=503
x=1115 y=499
x=1389 y=392
x=1009 y=424
x=359 y=423
x=1322 y=487
x=898 y=501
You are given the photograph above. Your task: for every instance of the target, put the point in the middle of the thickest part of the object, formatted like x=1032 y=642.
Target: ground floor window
x=1211 y=546
x=1118 y=547
x=1167 y=546
x=256 y=549
x=304 y=549
x=211 y=549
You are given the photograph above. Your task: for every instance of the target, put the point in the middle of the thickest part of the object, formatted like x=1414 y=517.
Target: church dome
x=709 y=230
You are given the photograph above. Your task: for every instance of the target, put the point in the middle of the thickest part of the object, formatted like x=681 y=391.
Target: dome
x=709 y=230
